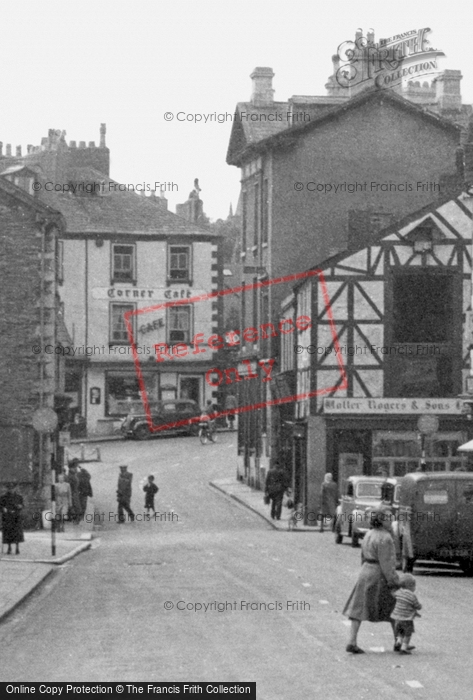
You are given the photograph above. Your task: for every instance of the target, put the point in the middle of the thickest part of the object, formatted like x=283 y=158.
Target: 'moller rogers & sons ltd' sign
x=393 y=406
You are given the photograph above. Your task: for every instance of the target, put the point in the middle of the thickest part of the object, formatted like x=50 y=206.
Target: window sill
x=186 y=281
x=114 y=281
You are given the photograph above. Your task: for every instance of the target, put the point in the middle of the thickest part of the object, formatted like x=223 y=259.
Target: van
x=435 y=519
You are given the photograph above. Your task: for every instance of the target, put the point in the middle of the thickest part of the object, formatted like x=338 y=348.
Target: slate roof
x=247 y=140
x=114 y=211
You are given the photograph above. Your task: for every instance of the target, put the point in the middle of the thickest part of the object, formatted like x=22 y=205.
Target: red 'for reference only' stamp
x=248 y=369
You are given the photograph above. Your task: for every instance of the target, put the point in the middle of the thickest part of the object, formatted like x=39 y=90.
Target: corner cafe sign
x=394 y=406
x=405 y=56
x=147 y=294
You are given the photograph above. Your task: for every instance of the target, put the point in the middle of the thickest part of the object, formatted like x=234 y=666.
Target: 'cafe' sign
x=146 y=294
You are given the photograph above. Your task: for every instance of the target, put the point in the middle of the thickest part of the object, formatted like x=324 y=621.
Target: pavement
x=21 y=574
x=254 y=500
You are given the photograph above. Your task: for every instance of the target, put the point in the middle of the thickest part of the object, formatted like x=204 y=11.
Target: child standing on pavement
x=150 y=490
x=404 y=612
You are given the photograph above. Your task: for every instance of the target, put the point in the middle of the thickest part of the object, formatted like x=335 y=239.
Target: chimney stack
x=1 y=149
x=81 y=144
x=72 y=144
x=18 y=151
x=448 y=91
x=263 y=92
x=91 y=144
x=103 y=131
x=8 y=153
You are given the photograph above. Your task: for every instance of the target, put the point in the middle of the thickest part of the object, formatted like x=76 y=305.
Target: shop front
x=372 y=436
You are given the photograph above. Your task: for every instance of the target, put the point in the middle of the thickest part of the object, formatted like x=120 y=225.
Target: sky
x=72 y=66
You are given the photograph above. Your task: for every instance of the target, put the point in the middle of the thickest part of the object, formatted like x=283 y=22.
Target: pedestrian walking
x=371 y=598
x=231 y=403
x=84 y=490
x=276 y=484
x=329 y=499
x=150 y=490
x=72 y=479
x=11 y=505
x=124 y=494
x=404 y=613
x=63 y=500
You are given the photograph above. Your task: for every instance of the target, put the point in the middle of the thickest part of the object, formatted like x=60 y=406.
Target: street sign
x=427 y=424
x=44 y=420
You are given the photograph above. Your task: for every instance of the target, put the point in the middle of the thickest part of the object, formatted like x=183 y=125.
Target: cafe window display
x=123 y=392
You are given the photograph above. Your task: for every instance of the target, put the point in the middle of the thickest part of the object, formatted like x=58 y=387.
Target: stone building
x=32 y=373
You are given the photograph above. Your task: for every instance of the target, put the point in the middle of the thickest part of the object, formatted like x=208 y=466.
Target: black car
x=165 y=413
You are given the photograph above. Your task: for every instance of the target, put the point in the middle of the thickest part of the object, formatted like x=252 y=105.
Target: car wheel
x=142 y=432
x=355 y=539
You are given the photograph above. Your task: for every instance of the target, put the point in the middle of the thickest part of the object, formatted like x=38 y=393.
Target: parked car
x=167 y=413
x=435 y=519
x=360 y=495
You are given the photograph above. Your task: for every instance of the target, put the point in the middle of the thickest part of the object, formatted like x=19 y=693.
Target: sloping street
x=103 y=615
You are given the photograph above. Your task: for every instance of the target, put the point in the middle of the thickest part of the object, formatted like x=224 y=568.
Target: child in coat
x=150 y=490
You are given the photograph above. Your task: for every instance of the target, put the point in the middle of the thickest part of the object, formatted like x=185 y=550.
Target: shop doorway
x=353 y=442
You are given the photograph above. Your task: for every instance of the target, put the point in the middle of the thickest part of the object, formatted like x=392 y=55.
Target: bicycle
x=207 y=432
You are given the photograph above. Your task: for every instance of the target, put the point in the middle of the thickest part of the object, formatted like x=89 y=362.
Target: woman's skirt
x=371 y=598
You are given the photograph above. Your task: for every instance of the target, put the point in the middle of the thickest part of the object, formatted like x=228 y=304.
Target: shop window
x=438 y=497
x=123 y=263
x=179 y=263
x=122 y=393
x=179 y=325
x=118 y=331
x=467 y=494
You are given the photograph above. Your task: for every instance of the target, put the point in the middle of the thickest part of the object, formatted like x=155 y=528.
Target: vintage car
x=168 y=413
x=360 y=495
x=435 y=519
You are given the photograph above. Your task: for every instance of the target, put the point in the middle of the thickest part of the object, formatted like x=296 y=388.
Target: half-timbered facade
x=389 y=343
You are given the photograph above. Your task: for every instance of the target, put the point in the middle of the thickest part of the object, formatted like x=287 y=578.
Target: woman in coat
x=11 y=505
x=371 y=598
x=63 y=500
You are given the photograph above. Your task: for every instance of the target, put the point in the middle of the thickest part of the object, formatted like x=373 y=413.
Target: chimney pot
x=81 y=144
x=18 y=151
x=91 y=144
x=72 y=144
x=262 y=87
x=8 y=153
x=103 y=131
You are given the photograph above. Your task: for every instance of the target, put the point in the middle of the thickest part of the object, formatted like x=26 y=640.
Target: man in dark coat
x=11 y=505
x=124 y=494
x=329 y=499
x=84 y=489
x=276 y=484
